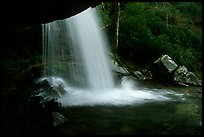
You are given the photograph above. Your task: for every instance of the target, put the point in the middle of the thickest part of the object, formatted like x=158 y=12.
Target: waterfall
x=91 y=44
x=76 y=55
x=81 y=36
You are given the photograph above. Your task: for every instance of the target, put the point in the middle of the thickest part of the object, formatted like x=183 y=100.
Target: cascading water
x=76 y=50
x=87 y=44
x=91 y=45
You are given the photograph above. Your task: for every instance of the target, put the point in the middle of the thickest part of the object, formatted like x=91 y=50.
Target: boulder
x=139 y=75
x=50 y=87
x=126 y=72
x=166 y=69
x=147 y=74
x=40 y=103
x=184 y=77
x=120 y=70
x=166 y=64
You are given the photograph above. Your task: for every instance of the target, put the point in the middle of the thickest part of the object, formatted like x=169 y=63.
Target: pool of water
x=181 y=115
x=166 y=110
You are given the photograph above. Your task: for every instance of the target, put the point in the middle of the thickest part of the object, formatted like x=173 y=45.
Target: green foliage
x=104 y=10
x=190 y=8
x=151 y=29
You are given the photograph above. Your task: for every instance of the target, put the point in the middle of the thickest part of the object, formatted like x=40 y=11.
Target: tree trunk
x=115 y=23
x=167 y=21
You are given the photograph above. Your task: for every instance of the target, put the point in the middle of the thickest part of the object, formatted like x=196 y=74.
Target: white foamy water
x=127 y=94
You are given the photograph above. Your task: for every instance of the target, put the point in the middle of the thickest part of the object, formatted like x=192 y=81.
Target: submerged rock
x=58 y=119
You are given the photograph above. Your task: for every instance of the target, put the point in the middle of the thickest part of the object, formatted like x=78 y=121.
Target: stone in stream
x=58 y=119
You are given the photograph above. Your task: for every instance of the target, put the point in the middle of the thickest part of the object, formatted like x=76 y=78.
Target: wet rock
x=50 y=87
x=35 y=103
x=123 y=69
x=147 y=74
x=51 y=104
x=185 y=77
x=166 y=64
x=45 y=104
x=120 y=70
x=58 y=119
x=167 y=69
x=139 y=75
x=119 y=66
x=41 y=112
